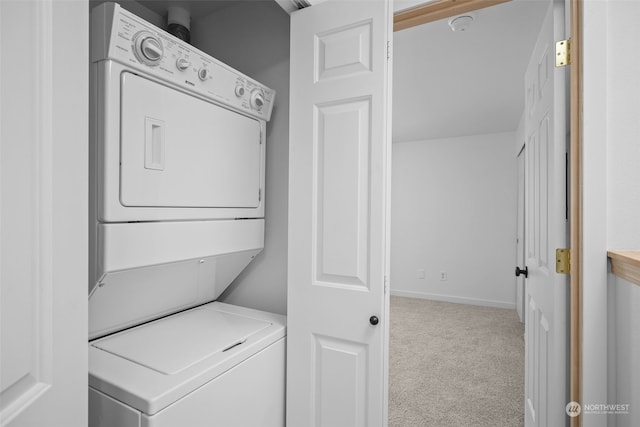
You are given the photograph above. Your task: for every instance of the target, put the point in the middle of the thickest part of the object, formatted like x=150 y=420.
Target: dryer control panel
x=119 y=35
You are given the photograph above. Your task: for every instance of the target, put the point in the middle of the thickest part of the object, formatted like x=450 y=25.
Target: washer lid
x=177 y=342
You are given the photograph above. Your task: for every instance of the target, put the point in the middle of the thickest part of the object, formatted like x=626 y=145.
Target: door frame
x=575 y=206
x=441 y=9
x=521 y=232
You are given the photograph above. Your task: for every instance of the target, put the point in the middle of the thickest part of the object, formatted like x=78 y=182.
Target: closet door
x=338 y=214
x=546 y=228
x=43 y=212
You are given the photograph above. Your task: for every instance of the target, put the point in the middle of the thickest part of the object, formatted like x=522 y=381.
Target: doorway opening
x=459 y=98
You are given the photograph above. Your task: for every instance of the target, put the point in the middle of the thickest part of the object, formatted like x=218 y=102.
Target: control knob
x=203 y=74
x=182 y=64
x=257 y=99
x=147 y=48
x=239 y=91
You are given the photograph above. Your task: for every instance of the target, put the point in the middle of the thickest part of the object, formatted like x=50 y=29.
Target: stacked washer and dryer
x=177 y=212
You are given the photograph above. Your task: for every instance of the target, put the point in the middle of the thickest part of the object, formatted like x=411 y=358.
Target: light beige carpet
x=455 y=365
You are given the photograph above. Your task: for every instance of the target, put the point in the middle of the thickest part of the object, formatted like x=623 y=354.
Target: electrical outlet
x=420 y=274
x=443 y=276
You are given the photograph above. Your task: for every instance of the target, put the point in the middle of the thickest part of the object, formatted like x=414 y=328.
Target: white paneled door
x=546 y=228
x=338 y=218
x=43 y=212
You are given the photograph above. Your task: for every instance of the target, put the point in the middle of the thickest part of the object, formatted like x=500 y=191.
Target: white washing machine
x=177 y=212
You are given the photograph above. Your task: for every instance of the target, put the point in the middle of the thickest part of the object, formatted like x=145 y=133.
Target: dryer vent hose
x=179 y=23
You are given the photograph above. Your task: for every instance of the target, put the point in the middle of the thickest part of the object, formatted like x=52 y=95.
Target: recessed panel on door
x=544 y=139
x=342 y=189
x=180 y=151
x=343 y=52
x=532 y=195
x=340 y=382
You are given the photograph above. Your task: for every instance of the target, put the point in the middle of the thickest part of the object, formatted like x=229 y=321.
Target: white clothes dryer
x=176 y=213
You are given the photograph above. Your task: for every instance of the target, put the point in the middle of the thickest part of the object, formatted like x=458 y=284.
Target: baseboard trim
x=454 y=299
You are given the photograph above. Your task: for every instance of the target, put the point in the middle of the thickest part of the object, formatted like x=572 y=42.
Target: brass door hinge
x=563 y=261
x=562 y=53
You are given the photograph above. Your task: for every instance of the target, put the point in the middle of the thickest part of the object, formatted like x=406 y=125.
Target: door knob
x=520 y=271
x=374 y=320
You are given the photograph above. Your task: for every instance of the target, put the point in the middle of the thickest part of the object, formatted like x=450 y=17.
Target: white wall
x=253 y=37
x=623 y=199
x=454 y=210
x=594 y=266
x=623 y=126
x=624 y=374
x=610 y=161
x=137 y=9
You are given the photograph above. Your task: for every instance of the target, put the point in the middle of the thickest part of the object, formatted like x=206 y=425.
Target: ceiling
x=449 y=84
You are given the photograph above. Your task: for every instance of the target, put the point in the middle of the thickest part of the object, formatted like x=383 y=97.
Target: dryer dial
x=182 y=64
x=203 y=74
x=257 y=99
x=148 y=48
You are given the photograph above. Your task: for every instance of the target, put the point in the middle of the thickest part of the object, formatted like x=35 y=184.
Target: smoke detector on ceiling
x=461 y=22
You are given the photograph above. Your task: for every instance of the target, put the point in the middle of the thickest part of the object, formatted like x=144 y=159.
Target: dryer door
x=180 y=151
